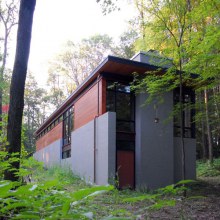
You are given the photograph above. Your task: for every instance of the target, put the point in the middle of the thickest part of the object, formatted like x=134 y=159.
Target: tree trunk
x=18 y=82
x=209 y=135
x=203 y=133
x=182 y=129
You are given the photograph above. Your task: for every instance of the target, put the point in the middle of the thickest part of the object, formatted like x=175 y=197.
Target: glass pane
x=111 y=85
x=125 y=126
x=123 y=88
x=187 y=117
x=123 y=107
x=125 y=145
x=110 y=101
x=71 y=122
x=176 y=131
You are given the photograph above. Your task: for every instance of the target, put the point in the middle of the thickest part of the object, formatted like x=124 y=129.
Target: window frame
x=189 y=131
x=116 y=91
x=68 y=127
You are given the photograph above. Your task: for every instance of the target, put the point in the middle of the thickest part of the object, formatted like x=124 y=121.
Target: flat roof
x=110 y=64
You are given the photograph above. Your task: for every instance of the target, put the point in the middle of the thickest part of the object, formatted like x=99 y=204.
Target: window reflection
x=119 y=99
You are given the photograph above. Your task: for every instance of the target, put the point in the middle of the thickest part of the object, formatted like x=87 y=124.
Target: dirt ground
x=202 y=202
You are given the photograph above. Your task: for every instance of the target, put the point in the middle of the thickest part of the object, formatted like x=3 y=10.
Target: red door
x=125 y=169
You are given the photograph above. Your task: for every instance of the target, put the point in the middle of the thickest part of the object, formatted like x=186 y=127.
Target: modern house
x=104 y=132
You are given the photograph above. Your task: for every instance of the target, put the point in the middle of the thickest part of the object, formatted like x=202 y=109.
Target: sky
x=56 y=21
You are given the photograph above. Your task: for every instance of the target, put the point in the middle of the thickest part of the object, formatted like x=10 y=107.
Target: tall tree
x=126 y=45
x=77 y=60
x=26 y=13
x=8 y=19
x=188 y=31
x=55 y=96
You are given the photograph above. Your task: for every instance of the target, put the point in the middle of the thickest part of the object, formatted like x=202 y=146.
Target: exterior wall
x=82 y=151
x=154 y=144
x=86 y=107
x=105 y=148
x=66 y=163
x=51 y=154
x=50 y=137
x=190 y=158
x=91 y=104
x=84 y=146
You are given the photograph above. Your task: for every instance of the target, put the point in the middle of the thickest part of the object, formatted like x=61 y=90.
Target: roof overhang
x=110 y=64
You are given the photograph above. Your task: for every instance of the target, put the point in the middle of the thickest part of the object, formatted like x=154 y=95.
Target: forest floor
x=202 y=202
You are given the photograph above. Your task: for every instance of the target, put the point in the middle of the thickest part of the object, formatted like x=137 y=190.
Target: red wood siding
x=53 y=135
x=125 y=168
x=86 y=107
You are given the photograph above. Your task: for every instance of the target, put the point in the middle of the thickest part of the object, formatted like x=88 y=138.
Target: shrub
x=205 y=169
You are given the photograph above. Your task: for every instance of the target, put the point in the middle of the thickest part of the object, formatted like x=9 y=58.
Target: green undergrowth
x=56 y=193
x=205 y=169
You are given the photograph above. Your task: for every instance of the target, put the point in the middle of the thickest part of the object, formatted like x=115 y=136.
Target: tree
x=168 y=24
x=188 y=31
x=8 y=18
x=77 y=61
x=55 y=96
x=18 y=82
x=34 y=114
x=126 y=45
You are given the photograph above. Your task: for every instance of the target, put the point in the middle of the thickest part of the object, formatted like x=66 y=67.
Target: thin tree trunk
x=204 y=148
x=209 y=135
x=203 y=134
x=18 y=82
x=182 y=127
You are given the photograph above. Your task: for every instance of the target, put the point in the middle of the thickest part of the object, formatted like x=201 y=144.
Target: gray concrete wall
x=82 y=151
x=84 y=163
x=50 y=155
x=67 y=162
x=190 y=158
x=153 y=58
x=105 y=148
x=154 y=144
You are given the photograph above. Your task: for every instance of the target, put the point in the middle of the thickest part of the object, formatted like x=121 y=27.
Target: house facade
x=104 y=133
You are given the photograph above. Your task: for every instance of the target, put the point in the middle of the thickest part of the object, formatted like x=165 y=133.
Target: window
x=188 y=113
x=120 y=99
x=67 y=128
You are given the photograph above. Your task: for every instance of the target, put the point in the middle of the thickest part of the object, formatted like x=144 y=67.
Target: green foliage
x=205 y=169
x=56 y=193
x=30 y=167
x=162 y=197
x=6 y=162
x=43 y=200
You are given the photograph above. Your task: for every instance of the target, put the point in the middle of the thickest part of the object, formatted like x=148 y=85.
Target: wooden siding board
x=86 y=107
x=53 y=135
